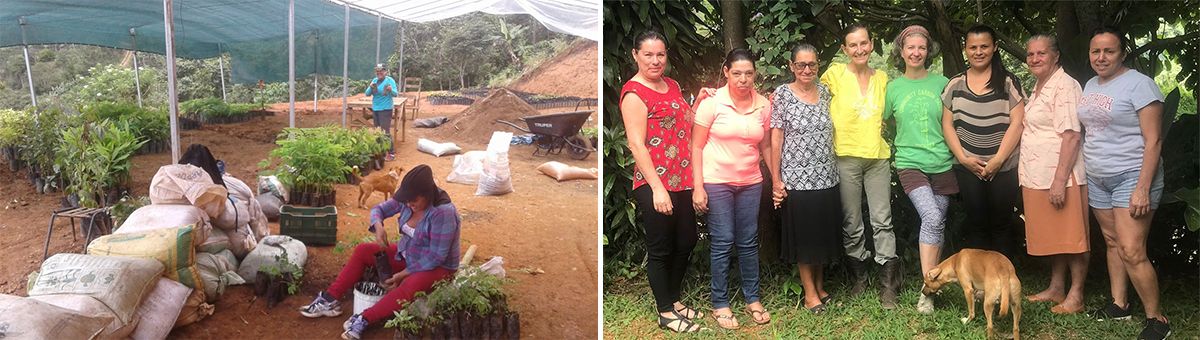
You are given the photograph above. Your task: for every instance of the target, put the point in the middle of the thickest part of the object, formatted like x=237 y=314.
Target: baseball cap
x=380 y=67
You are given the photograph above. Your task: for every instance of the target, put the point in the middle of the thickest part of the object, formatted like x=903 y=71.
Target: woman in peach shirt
x=1051 y=174
x=728 y=140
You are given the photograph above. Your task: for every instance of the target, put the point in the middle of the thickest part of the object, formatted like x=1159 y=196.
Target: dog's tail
x=354 y=172
x=1005 y=292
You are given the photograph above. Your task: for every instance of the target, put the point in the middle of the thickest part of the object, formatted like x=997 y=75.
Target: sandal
x=825 y=300
x=755 y=315
x=679 y=324
x=818 y=309
x=689 y=312
x=729 y=317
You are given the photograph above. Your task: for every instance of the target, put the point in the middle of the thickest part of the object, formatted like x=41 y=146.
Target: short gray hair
x=1050 y=39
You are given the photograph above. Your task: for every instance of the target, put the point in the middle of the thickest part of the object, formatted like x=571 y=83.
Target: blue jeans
x=733 y=222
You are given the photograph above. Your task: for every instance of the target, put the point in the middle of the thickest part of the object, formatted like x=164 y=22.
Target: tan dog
x=981 y=270
x=381 y=182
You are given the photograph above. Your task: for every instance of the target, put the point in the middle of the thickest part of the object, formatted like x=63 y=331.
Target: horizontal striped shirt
x=980 y=120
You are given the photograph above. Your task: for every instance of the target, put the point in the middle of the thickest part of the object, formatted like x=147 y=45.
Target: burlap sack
x=194 y=309
x=166 y=216
x=187 y=184
x=158 y=312
x=119 y=283
x=87 y=305
x=26 y=318
x=563 y=172
x=171 y=247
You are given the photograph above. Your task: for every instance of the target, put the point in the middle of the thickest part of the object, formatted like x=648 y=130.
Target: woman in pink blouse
x=1052 y=180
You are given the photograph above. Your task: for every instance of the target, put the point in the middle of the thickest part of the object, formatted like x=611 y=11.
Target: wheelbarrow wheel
x=578 y=147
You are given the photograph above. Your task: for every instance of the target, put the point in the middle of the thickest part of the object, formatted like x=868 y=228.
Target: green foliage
x=125 y=207
x=475 y=292
x=96 y=158
x=780 y=27
x=148 y=124
x=283 y=265
x=210 y=108
x=319 y=157
x=111 y=83
x=14 y=124
x=42 y=139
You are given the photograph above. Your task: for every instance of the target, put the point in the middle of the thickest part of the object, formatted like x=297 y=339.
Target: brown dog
x=381 y=182
x=977 y=270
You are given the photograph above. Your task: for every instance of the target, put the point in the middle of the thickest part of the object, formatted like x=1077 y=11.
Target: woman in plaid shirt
x=427 y=253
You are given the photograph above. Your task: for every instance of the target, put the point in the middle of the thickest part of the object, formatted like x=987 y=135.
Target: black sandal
x=825 y=300
x=689 y=312
x=684 y=324
x=818 y=309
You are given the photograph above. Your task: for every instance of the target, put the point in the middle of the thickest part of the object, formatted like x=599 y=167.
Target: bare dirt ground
x=570 y=73
x=544 y=224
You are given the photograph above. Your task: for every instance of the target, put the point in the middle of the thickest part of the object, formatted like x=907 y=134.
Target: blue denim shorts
x=1115 y=191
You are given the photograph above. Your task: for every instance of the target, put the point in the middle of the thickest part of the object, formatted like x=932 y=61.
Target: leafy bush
x=13 y=126
x=112 y=83
x=146 y=123
x=308 y=158
x=96 y=158
x=209 y=108
x=43 y=138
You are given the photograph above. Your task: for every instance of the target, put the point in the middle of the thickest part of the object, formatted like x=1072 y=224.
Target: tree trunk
x=952 y=62
x=1070 y=42
x=734 y=24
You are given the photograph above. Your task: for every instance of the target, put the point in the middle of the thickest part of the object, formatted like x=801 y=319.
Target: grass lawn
x=629 y=310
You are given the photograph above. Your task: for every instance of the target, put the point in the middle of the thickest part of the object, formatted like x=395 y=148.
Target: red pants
x=364 y=256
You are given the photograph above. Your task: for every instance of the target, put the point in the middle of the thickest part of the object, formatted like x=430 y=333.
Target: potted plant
x=472 y=305
x=13 y=127
x=95 y=159
x=278 y=280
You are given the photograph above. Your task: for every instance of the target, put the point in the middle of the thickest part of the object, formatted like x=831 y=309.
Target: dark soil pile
x=477 y=122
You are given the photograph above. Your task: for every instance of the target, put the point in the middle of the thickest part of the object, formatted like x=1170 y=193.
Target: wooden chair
x=413 y=104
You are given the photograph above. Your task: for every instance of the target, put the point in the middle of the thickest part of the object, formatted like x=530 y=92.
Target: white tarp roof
x=574 y=17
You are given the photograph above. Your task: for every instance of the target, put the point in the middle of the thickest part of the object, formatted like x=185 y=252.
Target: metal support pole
x=28 y=69
x=345 y=64
x=172 y=96
x=314 y=93
x=137 y=78
x=400 y=59
x=378 y=33
x=221 y=69
x=316 y=63
x=292 y=63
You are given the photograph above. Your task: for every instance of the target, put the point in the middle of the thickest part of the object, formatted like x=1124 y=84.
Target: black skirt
x=812 y=226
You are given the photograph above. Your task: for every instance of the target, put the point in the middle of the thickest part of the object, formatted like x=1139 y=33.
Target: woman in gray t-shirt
x=1121 y=112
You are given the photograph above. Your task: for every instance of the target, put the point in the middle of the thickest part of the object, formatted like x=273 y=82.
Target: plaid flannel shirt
x=436 y=240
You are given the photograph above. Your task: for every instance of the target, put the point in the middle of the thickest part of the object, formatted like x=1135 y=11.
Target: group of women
x=1058 y=148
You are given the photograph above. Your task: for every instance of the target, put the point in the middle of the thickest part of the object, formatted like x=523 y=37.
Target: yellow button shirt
x=857 y=118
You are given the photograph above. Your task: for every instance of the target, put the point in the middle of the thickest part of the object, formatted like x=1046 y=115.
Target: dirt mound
x=478 y=121
x=573 y=72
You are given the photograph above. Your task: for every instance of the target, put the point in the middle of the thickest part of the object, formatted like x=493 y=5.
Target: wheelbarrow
x=556 y=132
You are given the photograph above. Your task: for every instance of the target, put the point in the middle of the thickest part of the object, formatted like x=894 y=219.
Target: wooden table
x=398 y=123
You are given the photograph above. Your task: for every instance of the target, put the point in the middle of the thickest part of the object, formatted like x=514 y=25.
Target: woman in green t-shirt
x=922 y=159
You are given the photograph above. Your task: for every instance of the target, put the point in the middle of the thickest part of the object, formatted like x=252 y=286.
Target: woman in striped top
x=982 y=122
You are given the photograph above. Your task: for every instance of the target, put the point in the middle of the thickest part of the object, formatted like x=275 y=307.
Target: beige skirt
x=1053 y=231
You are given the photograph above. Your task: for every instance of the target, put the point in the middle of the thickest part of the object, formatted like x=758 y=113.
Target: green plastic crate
x=313 y=226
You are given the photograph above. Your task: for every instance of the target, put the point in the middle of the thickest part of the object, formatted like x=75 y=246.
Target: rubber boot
x=891 y=283
x=859 y=270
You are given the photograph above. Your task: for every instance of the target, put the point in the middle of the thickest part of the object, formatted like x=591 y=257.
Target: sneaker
x=354 y=327
x=390 y=157
x=925 y=304
x=323 y=305
x=1155 y=329
x=1112 y=312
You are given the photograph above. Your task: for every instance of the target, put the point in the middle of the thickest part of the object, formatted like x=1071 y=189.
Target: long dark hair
x=999 y=72
x=199 y=156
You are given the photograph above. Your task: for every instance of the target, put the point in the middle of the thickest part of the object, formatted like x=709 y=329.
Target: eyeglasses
x=802 y=66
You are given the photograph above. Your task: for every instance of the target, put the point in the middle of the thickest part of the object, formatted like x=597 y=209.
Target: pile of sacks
x=159 y=270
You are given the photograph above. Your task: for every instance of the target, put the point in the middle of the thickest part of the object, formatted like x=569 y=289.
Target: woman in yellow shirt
x=862 y=159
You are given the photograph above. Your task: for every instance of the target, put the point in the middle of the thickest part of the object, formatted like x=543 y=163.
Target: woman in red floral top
x=658 y=128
